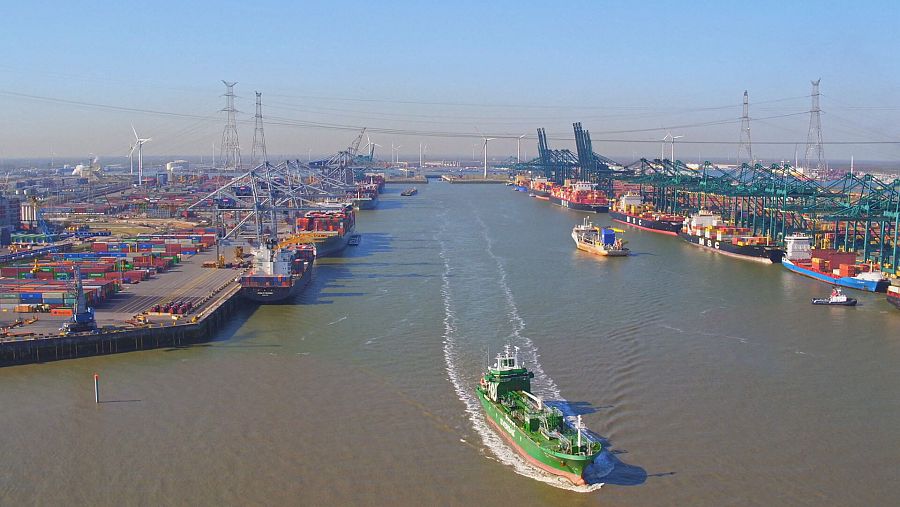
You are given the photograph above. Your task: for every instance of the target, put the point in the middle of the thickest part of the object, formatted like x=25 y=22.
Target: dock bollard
x=96 y=388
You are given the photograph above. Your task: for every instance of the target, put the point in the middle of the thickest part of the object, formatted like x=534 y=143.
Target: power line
x=289 y=122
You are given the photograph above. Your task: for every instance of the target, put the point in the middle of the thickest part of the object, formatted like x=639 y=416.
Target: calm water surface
x=712 y=380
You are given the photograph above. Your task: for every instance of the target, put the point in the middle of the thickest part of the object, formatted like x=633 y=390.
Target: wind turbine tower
x=745 y=152
x=815 y=152
x=486 y=139
x=258 y=152
x=139 y=144
x=230 y=154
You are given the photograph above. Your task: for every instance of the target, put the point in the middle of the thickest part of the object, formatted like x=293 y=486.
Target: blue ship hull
x=842 y=281
x=521 y=188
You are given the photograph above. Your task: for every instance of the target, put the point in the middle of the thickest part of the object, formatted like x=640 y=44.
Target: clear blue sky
x=467 y=67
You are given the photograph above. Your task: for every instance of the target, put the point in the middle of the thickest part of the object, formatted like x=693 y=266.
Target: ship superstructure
x=540 y=433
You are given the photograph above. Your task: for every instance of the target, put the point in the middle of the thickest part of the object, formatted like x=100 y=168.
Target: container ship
x=279 y=271
x=831 y=266
x=598 y=241
x=541 y=434
x=540 y=188
x=893 y=293
x=330 y=230
x=707 y=230
x=521 y=183
x=579 y=195
x=376 y=179
x=630 y=209
x=364 y=197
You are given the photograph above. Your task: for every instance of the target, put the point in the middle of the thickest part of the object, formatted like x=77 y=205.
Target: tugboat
x=595 y=240
x=409 y=191
x=837 y=298
x=541 y=434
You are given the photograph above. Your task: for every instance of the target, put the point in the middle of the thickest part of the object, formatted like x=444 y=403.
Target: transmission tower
x=815 y=152
x=230 y=153
x=258 y=153
x=745 y=151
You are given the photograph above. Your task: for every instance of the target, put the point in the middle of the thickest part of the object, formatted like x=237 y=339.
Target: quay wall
x=53 y=348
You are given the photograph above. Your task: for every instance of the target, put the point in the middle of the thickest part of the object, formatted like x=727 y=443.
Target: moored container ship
x=539 y=433
x=630 y=209
x=707 y=230
x=364 y=197
x=376 y=179
x=579 y=195
x=330 y=230
x=831 y=266
x=521 y=183
x=540 y=188
x=893 y=293
x=279 y=272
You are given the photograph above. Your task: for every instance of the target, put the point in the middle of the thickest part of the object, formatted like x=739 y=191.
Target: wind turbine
x=518 y=141
x=139 y=144
x=486 y=139
x=370 y=146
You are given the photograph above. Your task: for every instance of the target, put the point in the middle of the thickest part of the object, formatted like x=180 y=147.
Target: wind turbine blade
x=135 y=131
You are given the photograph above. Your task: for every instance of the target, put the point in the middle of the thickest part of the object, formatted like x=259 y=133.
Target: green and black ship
x=540 y=433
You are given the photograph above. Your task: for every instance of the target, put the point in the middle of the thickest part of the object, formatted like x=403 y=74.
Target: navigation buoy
x=96 y=388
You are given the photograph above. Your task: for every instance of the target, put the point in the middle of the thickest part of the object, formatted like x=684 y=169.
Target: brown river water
x=712 y=381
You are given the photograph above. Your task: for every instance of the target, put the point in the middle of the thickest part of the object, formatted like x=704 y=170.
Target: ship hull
x=842 y=281
x=362 y=203
x=579 y=206
x=658 y=226
x=568 y=466
x=748 y=252
x=894 y=300
x=268 y=295
x=334 y=245
x=597 y=249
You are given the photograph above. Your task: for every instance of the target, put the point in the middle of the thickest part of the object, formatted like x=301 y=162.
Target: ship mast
x=578 y=427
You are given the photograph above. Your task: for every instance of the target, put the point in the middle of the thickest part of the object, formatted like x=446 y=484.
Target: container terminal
x=835 y=226
x=106 y=259
x=93 y=262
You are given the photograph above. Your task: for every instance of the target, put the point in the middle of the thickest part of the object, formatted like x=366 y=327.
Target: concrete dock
x=212 y=291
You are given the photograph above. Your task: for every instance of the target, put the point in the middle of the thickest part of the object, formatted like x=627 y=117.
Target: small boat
x=354 y=240
x=409 y=191
x=837 y=298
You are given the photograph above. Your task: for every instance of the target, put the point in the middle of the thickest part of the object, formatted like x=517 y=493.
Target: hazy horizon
x=445 y=77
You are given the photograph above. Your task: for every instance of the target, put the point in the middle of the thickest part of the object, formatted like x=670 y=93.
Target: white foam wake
x=464 y=387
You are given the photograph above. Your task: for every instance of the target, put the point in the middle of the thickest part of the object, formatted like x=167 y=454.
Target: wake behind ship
x=539 y=433
x=279 y=271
